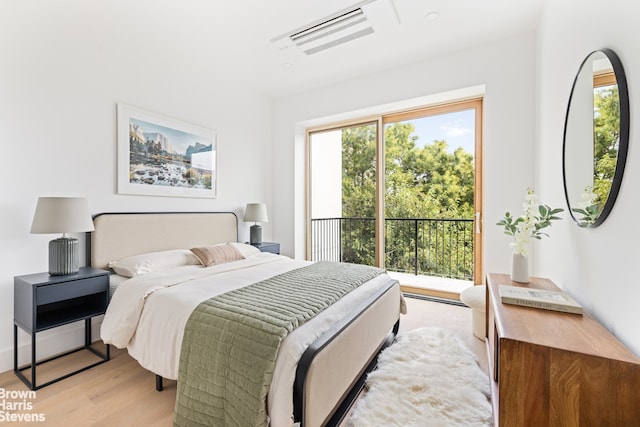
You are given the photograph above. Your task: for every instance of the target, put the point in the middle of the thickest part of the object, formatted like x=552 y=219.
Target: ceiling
x=247 y=40
x=402 y=34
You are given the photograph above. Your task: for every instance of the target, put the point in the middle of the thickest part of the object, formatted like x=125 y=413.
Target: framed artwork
x=160 y=156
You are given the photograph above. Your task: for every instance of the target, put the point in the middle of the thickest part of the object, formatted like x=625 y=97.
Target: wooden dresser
x=557 y=369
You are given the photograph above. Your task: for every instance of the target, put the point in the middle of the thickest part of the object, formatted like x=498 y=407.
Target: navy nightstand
x=42 y=302
x=272 y=247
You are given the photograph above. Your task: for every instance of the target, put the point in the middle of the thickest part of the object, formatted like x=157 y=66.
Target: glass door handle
x=477 y=222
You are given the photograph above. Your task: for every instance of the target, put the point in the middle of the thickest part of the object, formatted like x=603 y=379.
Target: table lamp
x=256 y=212
x=62 y=215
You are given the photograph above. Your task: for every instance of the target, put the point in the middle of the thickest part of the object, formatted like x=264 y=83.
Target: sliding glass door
x=402 y=191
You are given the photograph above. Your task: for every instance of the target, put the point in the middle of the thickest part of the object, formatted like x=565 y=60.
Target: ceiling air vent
x=340 y=29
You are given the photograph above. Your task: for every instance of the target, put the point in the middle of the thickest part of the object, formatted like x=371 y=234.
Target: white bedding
x=114 y=282
x=147 y=315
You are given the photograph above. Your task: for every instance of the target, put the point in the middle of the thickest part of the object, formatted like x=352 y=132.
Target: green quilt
x=231 y=341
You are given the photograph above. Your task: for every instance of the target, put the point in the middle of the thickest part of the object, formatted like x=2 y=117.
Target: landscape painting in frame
x=159 y=156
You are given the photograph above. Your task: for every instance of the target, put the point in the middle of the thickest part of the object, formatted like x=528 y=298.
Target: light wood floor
x=120 y=393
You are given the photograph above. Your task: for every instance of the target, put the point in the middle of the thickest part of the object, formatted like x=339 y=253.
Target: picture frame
x=161 y=156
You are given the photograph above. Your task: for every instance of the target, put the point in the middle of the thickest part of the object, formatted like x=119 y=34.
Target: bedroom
x=58 y=116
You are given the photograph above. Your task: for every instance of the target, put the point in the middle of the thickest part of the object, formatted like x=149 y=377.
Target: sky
x=456 y=128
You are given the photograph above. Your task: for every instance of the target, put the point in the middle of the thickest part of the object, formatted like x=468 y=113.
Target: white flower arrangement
x=529 y=225
x=588 y=207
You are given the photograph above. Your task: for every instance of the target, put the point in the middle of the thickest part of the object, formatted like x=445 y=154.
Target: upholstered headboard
x=122 y=234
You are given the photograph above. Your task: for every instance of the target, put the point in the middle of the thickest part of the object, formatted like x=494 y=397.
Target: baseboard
x=434 y=299
x=48 y=343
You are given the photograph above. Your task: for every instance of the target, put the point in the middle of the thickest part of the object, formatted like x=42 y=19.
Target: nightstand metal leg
x=18 y=371
x=87 y=343
x=87 y=332
x=15 y=347
x=33 y=361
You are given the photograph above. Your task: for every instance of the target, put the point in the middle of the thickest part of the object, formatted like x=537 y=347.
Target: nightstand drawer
x=77 y=288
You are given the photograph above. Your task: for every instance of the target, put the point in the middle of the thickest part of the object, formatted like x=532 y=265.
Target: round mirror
x=596 y=137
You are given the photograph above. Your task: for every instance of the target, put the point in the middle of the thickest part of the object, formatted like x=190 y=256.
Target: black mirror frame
x=623 y=145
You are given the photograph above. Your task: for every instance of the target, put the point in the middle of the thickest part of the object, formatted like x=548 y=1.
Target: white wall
x=597 y=266
x=65 y=65
x=507 y=70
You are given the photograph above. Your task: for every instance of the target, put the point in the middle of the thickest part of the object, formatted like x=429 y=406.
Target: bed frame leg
x=158 y=383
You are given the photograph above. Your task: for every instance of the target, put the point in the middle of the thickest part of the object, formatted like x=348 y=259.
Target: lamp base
x=255 y=237
x=63 y=256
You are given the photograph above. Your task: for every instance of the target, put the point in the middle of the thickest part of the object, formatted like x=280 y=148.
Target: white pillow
x=245 y=250
x=146 y=263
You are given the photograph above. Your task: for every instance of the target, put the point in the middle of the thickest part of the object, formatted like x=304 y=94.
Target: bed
x=320 y=366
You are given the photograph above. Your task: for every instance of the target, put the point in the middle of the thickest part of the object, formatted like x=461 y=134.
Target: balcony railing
x=421 y=246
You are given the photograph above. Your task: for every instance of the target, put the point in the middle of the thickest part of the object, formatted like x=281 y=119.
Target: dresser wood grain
x=557 y=369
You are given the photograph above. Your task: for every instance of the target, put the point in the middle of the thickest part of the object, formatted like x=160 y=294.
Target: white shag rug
x=427 y=377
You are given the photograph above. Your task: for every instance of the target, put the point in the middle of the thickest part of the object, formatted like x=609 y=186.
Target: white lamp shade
x=61 y=215
x=256 y=212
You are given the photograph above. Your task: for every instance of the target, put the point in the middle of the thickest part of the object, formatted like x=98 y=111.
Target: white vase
x=519 y=268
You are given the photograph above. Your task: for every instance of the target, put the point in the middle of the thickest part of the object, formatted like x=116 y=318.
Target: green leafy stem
x=541 y=221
